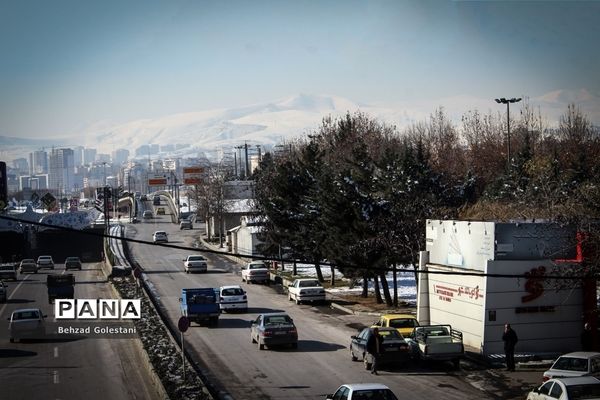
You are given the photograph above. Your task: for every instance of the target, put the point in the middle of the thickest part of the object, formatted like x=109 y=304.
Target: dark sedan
x=395 y=349
x=274 y=329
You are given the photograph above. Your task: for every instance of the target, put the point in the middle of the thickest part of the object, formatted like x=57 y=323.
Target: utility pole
x=247 y=165
x=507 y=102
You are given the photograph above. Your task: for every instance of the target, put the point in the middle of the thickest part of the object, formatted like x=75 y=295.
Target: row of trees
x=356 y=192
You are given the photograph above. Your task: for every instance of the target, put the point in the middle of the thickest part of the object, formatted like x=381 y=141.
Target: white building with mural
x=477 y=276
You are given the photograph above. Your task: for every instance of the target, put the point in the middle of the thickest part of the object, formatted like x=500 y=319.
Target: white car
x=360 y=391
x=45 y=262
x=26 y=323
x=160 y=236
x=306 y=289
x=583 y=387
x=233 y=298
x=255 y=271
x=574 y=364
x=195 y=263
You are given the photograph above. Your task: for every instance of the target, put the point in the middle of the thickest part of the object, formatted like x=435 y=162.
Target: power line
x=290 y=261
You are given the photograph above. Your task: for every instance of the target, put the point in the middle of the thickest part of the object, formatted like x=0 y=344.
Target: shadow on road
x=262 y=310
x=10 y=353
x=19 y=301
x=316 y=346
x=234 y=323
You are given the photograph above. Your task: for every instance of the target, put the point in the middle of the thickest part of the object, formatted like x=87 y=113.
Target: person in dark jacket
x=510 y=341
x=374 y=348
x=587 y=338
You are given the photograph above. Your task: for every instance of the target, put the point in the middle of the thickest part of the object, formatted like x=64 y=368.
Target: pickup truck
x=437 y=342
x=60 y=287
x=201 y=304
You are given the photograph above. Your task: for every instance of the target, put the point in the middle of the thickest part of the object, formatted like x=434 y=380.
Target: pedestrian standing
x=374 y=348
x=510 y=341
x=587 y=338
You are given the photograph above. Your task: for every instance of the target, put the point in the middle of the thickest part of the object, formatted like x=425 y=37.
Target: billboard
x=157 y=180
x=192 y=175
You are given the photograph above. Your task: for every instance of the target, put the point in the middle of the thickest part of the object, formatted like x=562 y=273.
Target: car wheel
x=12 y=340
x=297 y=301
x=295 y=345
x=260 y=345
x=456 y=363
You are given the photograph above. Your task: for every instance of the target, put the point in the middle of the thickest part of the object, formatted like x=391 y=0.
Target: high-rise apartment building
x=120 y=156
x=79 y=156
x=61 y=165
x=89 y=156
x=38 y=162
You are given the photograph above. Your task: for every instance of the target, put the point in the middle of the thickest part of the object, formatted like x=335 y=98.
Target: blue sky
x=65 y=65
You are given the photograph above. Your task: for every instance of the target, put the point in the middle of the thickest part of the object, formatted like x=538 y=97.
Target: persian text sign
x=157 y=180
x=192 y=175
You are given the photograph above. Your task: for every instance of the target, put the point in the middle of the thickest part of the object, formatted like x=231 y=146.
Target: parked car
x=396 y=349
x=255 y=271
x=8 y=271
x=574 y=364
x=73 y=263
x=577 y=388
x=3 y=292
x=405 y=323
x=45 y=262
x=28 y=265
x=26 y=323
x=147 y=214
x=306 y=290
x=186 y=224
x=362 y=391
x=233 y=298
x=195 y=263
x=160 y=236
x=274 y=329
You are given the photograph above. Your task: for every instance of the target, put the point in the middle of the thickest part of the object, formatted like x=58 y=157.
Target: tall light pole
x=507 y=102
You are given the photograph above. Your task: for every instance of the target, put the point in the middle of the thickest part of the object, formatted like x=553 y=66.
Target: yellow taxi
x=404 y=323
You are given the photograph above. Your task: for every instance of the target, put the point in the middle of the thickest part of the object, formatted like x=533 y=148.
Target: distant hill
x=270 y=123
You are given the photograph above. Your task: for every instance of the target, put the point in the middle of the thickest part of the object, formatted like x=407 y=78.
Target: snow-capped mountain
x=270 y=123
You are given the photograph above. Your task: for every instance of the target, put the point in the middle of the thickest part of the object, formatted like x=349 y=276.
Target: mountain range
x=270 y=123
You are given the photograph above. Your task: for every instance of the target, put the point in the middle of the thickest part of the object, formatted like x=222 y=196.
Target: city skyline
x=99 y=65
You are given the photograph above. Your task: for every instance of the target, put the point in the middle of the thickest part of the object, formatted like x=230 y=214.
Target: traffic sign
x=193 y=175
x=183 y=324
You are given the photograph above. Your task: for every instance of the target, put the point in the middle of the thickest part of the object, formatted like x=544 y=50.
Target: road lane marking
x=13 y=293
x=56 y=380
x=55 y=352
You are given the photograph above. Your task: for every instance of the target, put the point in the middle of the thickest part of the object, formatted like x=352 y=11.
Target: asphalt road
x=319 y=365
x=75 y=369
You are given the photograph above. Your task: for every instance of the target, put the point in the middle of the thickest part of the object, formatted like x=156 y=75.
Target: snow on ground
x=407 y=289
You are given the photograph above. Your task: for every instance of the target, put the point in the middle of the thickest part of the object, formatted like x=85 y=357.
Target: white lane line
x=56 y=380
x=13 y=293
x=55 y=352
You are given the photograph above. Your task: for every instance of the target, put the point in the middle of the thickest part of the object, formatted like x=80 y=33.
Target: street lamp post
x=507 y=102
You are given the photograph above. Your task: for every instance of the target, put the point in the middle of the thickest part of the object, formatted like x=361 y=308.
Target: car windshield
x=26 y=315
x=196 y=258
x=309 y=283
x=278 y=320
x=403 y=323
x=28 y=261
x=232 y=292
x=373 y=394
x=571 y=364
x=257 y=266
x=581 y=392
x=72 y=259
x=7 y=267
